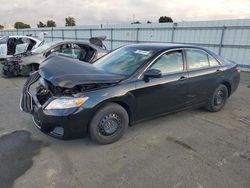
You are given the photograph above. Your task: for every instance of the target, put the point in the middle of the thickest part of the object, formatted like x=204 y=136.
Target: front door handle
x=182 y=78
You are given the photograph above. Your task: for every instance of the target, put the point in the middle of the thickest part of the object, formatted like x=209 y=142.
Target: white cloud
x=113 y=11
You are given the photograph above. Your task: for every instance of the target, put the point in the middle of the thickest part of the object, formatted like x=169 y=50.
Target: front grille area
x=42 y=94
x=26 y=99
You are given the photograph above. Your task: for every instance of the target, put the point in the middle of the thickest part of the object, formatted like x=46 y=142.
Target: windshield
x=43 y=48
x=124 y=61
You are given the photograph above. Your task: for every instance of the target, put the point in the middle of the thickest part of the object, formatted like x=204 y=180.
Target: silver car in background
x=13 y=45
x=24 y=64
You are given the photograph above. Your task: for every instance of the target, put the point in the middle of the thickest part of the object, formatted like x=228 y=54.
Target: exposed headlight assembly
x=66 y=103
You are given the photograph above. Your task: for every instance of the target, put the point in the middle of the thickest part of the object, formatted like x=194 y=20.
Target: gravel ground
x=192 y=148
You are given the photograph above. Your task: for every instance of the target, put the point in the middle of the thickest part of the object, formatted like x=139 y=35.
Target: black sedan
x=130 y=84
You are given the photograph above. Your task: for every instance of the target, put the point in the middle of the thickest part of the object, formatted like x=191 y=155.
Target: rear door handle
x=218 y=70
x=182 y=78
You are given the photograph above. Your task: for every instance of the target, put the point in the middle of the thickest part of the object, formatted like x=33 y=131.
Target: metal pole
x=75 y=34
x=172 y=36
x=111 y=38
x=90 y=33
x=221 y=39
x=43 y=30
x=52 y=34
x=137 y=35
x=63 y=34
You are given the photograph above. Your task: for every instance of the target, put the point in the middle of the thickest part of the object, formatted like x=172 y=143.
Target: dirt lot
x=193 y=148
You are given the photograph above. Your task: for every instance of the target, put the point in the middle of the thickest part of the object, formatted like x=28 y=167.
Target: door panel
x=203 y=75
x=160 y=95
x=201 y=84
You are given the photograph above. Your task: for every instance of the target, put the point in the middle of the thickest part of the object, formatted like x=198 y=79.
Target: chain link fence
x=229 y=39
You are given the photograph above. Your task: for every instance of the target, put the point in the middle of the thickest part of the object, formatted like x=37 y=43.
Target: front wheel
x=11 y=69
x=109 y=124
x=218 y=99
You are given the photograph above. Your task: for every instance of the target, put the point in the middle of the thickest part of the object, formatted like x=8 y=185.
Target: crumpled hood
x=67 y=73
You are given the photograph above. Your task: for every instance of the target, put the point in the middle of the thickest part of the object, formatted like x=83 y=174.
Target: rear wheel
x=218 y=99
x=109 y=124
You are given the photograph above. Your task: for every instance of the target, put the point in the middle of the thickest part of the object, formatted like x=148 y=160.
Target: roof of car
x=23 y=36
x=78 y=42
x=164 y=46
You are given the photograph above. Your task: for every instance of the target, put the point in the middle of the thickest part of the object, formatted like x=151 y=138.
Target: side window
x=197 y=59
x=70 y=50
x=66 y=49
x=212 y=61
x=169 y=62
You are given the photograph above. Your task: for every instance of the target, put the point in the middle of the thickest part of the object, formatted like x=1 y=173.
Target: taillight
x=237 y=69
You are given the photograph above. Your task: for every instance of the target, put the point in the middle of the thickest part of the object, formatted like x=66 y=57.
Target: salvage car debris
x=25 y=63
x=13 y=45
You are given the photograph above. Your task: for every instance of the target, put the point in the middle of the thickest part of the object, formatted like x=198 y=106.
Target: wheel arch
x=126 y=107
x=228 y=85
x=122 y=103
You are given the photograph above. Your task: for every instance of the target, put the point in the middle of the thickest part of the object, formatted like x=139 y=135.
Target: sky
x=92 y=12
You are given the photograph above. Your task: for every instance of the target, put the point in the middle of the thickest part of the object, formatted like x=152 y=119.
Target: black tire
x=109 y=124
x=11 y=69
x=218 y=99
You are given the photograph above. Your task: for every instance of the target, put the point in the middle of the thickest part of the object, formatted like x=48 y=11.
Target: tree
x=51 y=23
x=137 y=22
x=165 y=19
x=21 y=25
x=70 y=21
x=41 y=24
x=1 y=27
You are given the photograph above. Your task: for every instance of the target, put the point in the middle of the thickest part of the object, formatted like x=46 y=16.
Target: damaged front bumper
x=65 y=123
x=11 y=68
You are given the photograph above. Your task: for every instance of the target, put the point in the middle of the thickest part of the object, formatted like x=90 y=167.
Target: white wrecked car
x=13 y=45
x=25 y=63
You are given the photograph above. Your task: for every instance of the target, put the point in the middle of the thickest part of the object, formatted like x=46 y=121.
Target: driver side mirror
x=152 y=73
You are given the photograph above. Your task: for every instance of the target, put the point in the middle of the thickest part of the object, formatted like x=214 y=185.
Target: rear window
x=212 y=61
x=197 y=59
x=169 y=63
